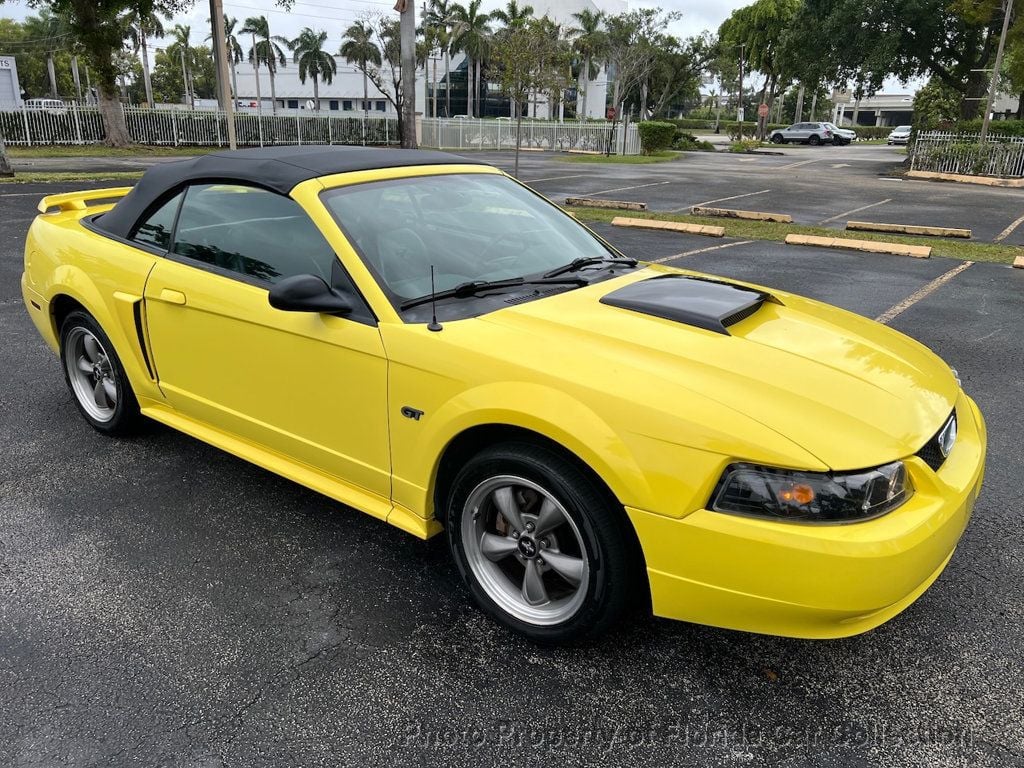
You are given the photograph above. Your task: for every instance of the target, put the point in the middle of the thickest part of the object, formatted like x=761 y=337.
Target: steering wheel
x=494 y=242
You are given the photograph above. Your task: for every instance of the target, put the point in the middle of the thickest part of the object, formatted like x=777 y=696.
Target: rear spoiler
x=76 y=201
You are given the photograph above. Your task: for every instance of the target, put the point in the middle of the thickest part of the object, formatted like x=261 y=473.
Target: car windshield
x=468 y=227
x=903 y=128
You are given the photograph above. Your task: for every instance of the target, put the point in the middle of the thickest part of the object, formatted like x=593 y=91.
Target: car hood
x=849 y=391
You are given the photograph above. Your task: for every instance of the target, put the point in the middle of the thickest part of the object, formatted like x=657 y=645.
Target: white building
x=345 y=93
x=10 y=88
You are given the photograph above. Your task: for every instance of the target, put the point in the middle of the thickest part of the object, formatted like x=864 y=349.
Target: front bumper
x=815 y=581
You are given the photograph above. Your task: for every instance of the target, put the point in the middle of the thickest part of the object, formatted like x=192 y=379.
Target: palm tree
x=313 y=60
x=471 y=34
x=589 y=42
x=234 y=50
x=359 y=49
x=141 y=27
x=439 y=18
x=265 y=49
x=513 y=15
x=181 y=49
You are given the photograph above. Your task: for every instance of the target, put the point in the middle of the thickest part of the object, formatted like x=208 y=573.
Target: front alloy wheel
x=541 y=546
x=95 y=376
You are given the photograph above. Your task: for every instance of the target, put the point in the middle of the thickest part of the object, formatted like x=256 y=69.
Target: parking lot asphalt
x=163 y=603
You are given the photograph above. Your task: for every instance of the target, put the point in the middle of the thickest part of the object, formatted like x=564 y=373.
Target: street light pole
x=994 y=84
x=739 y=108
x=224 y=95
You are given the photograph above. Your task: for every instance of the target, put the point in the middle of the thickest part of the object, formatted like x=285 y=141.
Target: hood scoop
x=697 y=301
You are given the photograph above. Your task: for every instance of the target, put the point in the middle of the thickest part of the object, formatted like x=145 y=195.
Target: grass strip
x=999 y=253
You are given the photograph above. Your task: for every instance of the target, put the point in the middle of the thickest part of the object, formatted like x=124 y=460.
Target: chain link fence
x=178 y=127
x=582 y=136
x=965 y=153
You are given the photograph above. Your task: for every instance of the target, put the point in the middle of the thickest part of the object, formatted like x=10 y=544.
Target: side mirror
x=308 y=293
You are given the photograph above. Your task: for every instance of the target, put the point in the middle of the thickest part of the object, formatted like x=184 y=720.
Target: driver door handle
x=172 y=296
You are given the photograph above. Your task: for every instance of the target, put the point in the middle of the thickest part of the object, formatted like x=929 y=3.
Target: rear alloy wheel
x=95 y=376
x=814 y=140
x=541 y=548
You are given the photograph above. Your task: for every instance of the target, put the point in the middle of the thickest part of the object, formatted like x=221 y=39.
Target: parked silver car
x=806 y=133
x=845 y=133
x=900 y=135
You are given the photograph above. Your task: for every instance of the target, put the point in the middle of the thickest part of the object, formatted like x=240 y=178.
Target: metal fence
x=180 y=127
x=965 y=153
x=446 y=133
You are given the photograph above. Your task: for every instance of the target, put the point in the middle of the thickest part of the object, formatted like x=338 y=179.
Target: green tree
x=867 y=41
x=97 y=28
x=471 y=34
x=513 y=15
x=762 y=28
x=635 y=41
x=181 y=49
x=234 y=50
x=266 y=49
x=359 y=49
x=525 y=60
x=314 y=62
x=439 y=19
x=141 y=28
x=935 y=104
x=590 y=42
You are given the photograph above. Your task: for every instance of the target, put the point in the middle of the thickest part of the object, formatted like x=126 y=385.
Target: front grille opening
x=931 y=453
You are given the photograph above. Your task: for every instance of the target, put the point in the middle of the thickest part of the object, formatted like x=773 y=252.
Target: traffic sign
x=762 y=111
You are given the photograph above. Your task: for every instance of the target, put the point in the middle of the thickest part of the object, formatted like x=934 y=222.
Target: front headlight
x=811 y=497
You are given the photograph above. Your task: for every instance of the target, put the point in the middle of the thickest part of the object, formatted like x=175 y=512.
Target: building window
x=382 y=106
x=334 y=105
x=347 y=105
x=293 y=103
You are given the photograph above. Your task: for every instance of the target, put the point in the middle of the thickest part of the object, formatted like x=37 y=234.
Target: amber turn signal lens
x=798 y=493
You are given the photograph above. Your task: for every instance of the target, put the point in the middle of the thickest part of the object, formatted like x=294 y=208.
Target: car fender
x=115 y=314
x=537 y=408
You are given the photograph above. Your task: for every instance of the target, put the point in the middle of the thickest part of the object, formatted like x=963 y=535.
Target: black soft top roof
x=278 y=169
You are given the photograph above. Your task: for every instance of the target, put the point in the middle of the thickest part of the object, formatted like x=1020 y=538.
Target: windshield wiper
x=472 y=288
x=577 y=264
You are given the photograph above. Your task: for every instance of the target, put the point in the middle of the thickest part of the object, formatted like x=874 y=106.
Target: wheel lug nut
x=515 y=534
x=529 y=527
x=543 y=545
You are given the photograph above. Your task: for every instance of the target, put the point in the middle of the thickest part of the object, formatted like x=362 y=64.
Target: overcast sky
x=334 y=15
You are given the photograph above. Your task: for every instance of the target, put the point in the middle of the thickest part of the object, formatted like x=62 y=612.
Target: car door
x=309 y=386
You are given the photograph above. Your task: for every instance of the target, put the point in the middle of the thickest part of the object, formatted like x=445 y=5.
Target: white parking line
x=898 y=309
x=22 y=194
x=699 y=250
x=723 y=199
x=855 y=210
x=622 y=189
x=554 y=178
x=1009 y=230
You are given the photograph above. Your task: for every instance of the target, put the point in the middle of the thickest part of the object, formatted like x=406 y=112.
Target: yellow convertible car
x=425 y=339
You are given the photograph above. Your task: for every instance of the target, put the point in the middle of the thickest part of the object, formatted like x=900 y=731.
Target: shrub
x=655 y=136
x=687 y=142
x=744 y=145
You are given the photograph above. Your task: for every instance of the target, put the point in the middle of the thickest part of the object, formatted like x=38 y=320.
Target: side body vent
x=696 y=301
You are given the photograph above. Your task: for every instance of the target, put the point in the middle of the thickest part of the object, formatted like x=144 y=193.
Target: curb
x=583 y=152
x=593 y=202
x=731 y=213
x=870 y=246
x=908 y=229
x=669 y=226
x=1018 y=262
x=987 y=181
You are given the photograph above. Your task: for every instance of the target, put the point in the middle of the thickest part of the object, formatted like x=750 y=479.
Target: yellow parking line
x=898 y=309
x=1009 y=230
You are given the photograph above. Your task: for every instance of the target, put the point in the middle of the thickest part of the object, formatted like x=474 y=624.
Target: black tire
x=814 y=141
x=125 y=417
x=777 y=139
x=616 y=581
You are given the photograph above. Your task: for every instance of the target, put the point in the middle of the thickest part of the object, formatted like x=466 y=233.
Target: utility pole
x=224 y=95
x=994 y=84
x=739 y=108
x=407 y=27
